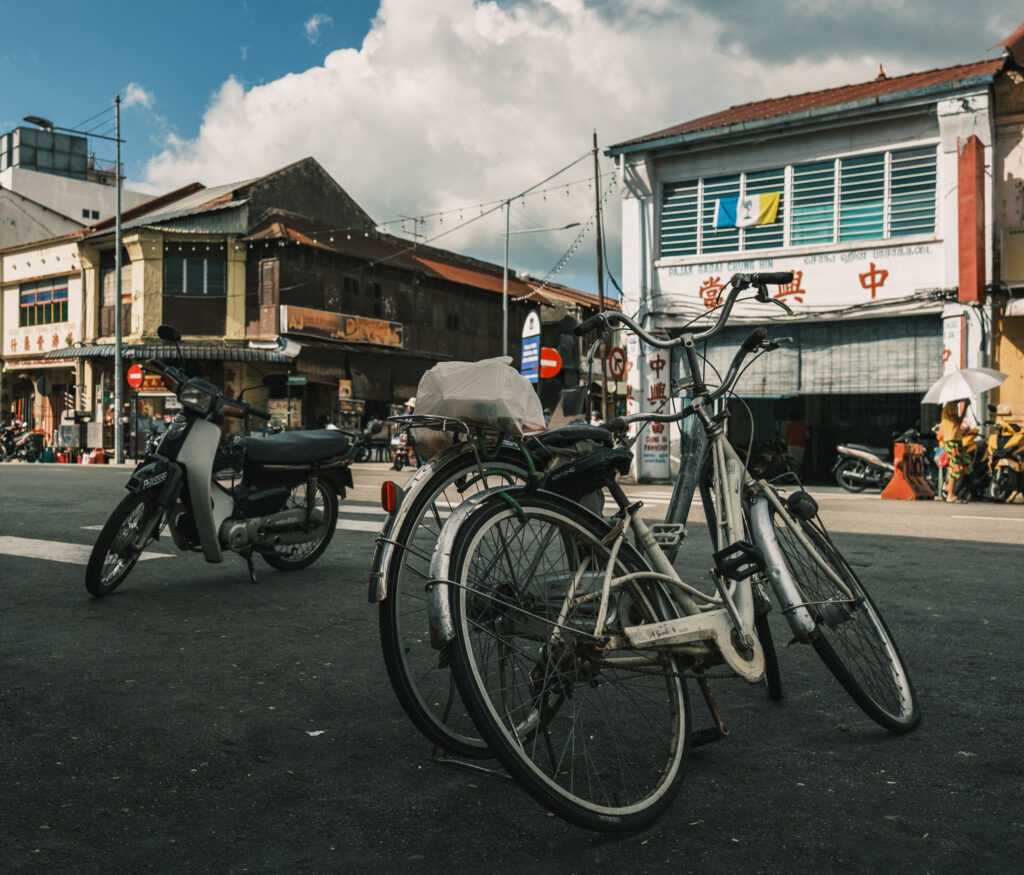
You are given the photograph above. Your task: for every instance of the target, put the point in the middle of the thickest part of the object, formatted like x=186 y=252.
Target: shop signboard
x=340 y=326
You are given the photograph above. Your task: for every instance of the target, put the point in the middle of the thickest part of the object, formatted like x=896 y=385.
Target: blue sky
x=70 y=62
x=439 y=109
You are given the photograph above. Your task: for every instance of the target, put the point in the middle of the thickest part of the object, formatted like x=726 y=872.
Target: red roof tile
x=816 y=100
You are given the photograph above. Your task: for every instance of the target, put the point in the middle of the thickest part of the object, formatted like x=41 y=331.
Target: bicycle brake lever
x=783 y=304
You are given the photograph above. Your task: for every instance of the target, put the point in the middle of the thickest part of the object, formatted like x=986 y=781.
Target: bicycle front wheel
x=419 y=674
x=850 y=635
x=597 y=733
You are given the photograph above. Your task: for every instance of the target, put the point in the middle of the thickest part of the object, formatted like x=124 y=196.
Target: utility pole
x=600 y=280
x=118 y=376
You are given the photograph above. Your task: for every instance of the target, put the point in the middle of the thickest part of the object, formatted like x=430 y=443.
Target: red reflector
x=389 y=496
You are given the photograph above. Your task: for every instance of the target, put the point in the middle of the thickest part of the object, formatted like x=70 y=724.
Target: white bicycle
x=571 y=638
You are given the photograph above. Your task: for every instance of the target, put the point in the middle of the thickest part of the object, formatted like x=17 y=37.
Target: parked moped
x=1006 y=461
x=16 y=442
x=860 y=466
x=276 y=496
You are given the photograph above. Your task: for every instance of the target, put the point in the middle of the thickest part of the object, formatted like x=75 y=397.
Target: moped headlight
x=196 y=398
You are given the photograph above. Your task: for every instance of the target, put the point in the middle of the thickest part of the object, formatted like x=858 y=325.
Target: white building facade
x=870 y=219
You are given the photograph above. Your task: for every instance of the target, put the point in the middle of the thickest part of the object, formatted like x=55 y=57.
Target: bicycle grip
x=588 y=325
x=752 y=342
x=773 y=278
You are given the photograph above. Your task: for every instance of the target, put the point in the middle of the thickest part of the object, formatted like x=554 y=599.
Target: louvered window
x=814 y=203
x=912 y=192
x=861 y=197
x=679 y=219
x=718 y=239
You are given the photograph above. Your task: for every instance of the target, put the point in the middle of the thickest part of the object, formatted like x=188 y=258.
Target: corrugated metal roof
x=830 y=98
x=399 y=253
x=168 y=352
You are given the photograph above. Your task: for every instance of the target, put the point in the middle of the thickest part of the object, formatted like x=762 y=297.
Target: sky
x=433 y=113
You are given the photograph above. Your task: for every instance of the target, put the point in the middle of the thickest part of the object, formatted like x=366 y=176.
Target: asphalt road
x=194 y=722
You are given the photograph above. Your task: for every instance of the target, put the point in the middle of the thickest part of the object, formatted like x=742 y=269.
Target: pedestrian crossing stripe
x=75 y=554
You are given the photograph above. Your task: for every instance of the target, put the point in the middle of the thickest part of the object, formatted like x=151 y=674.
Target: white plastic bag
x=489 y=392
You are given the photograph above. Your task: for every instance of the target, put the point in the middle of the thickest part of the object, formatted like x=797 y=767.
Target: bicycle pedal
x=738 y=561
x=668 y=534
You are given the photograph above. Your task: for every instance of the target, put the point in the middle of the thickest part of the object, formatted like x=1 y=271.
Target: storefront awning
x=169 y=352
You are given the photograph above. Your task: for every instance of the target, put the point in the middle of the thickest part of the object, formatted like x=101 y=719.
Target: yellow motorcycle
x=1006 y=460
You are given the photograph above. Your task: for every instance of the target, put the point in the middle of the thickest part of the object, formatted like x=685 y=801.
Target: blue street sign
x=530 y=367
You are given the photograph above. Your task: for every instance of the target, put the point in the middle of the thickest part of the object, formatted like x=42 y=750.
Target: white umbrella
x=962 y=384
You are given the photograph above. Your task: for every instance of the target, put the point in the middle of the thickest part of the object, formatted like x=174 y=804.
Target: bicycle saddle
x=573 y=432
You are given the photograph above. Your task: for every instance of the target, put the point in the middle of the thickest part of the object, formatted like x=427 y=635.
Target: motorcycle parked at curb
x=860 y=465
x=1006 y=461
x=16 y=443
x=275 y=496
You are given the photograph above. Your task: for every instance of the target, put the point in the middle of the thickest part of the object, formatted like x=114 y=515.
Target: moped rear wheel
x=120 y=543
x=844 y=476
x=292 y=557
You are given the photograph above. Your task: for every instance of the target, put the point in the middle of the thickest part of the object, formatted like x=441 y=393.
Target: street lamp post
x=47 y=125
x=504 y=279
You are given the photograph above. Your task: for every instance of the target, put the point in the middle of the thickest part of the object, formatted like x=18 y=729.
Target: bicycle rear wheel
x=850 y=635
x=598 y=736
x=419 y=674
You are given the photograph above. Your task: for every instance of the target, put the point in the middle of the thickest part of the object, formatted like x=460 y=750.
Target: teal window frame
x=43 y=303
x=871 y=196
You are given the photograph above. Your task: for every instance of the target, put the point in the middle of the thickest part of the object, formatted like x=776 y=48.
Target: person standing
x=951 y=435
x=796 y=432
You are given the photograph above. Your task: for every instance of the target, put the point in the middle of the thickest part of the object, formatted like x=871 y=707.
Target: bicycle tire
x=598 y=737
x=418 y=673
x=292 y=557
x=851 y=638
x=772 y=675
x=114 y=555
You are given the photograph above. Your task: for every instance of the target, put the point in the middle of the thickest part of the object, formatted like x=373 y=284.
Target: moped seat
x=297 y=447
x=884 y=453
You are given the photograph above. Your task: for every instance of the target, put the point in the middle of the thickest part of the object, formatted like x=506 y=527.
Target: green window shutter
x=679 y=219
x=912 y=192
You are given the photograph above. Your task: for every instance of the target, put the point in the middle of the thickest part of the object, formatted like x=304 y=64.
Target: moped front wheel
x=134 y=524
x=324 y=521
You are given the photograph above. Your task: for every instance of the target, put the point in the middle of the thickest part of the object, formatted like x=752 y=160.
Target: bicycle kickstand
x=701 y=737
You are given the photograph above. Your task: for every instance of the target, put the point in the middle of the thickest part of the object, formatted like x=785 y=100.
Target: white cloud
x=457 y=102
x=314 y=25
x=136 y=95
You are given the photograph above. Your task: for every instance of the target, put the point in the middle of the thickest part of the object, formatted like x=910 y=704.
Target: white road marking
x=1001 y=519
x=56 y=551
x=359 y=525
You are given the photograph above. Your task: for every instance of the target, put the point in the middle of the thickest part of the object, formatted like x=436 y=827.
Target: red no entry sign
x=617 y=362
x=550 y=361
x=135 y=376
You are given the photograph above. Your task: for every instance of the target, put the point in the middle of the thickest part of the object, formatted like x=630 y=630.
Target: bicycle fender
x=785 y=588
x=385 y=550
x=439 y=612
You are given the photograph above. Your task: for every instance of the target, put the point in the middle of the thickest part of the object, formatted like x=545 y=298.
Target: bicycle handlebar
x=738 y=282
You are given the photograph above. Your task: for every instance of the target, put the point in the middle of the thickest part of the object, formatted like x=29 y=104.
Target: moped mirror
x=168 y=333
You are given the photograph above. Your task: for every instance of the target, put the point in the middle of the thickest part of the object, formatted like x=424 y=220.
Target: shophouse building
x=283 y=272
x=896 y=204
